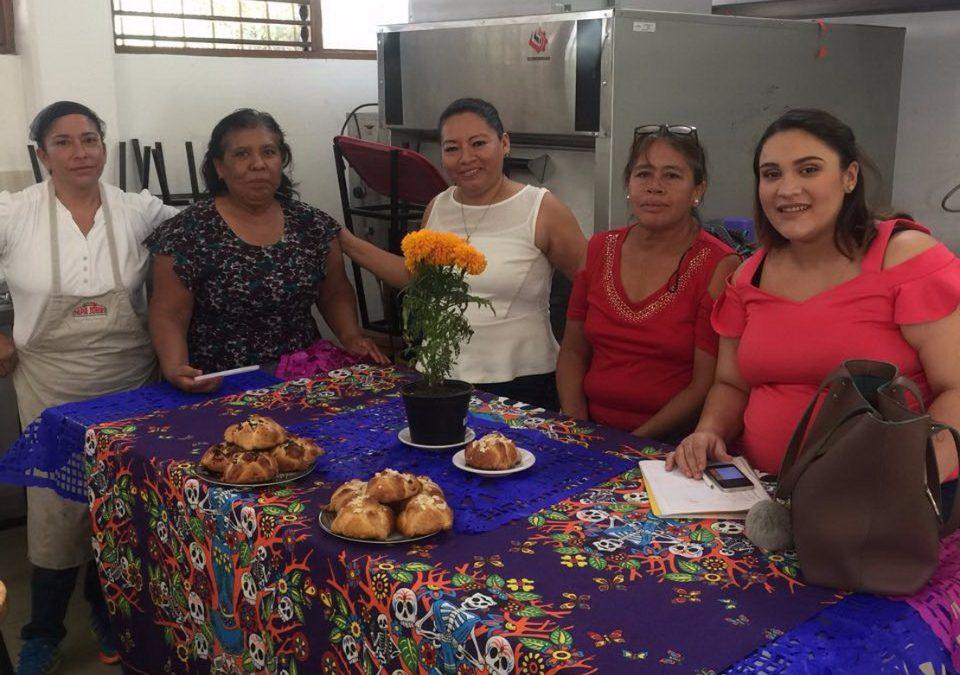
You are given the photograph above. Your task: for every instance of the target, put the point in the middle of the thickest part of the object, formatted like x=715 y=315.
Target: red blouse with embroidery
x=642 y=351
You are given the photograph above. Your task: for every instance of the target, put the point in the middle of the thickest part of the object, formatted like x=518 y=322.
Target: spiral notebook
x=673 y=495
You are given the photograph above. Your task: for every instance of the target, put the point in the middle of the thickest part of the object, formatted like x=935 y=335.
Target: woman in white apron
x=71 y=252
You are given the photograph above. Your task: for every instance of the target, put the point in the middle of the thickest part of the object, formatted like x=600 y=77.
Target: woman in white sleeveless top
x=524 y=231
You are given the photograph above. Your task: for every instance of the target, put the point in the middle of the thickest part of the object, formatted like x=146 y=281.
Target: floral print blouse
x=251 y=303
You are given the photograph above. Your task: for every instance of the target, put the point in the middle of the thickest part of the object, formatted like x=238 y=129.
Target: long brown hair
x=854 y=228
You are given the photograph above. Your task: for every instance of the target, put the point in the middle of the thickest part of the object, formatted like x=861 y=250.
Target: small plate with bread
x=494 y=455
x=390 y=508
x=257 y=452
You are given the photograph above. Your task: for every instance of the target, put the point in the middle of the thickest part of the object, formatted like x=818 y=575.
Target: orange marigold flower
x=442 y=249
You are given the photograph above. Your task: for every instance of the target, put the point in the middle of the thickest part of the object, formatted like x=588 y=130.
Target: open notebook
x=673 y=495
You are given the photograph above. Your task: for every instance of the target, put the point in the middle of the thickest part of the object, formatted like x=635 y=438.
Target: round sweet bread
x=391 y=486
x=493 y=452
x=255 y=433
x=428 y=487
x=425 y=514
x=217 y=456
x=346 y=492
x=296 y=454
x=363 y=518
x=250 y=467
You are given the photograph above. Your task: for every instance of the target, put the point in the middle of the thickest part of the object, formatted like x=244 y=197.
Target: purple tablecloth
x=201 y=577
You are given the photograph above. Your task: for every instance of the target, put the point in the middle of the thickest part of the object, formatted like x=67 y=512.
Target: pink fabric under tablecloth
x=320 y=357
x=939 y=601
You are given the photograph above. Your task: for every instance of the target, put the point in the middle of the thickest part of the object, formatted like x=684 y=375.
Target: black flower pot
x=437 y=415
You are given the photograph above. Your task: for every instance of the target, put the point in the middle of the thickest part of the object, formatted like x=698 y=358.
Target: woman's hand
x=8 y=355
x=347 y=240
x=182 y=377
x=364 y=347
x=694 y=451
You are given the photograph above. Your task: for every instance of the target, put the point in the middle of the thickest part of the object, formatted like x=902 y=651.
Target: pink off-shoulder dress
x=788 y=347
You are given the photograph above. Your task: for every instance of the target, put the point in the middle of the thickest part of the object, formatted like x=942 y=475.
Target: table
x=202 y=578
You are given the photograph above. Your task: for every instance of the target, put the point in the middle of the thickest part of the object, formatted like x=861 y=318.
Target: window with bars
x=304 y=28
x=6 y=26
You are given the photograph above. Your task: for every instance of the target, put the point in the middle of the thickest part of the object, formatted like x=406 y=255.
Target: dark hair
x=246 y=118
x=686 y=145
x=854 y=227
x=484 y=110
x=45 y=118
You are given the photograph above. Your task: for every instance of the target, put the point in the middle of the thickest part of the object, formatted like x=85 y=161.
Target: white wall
x=173 y=99
x=928 y=142
x=14 y=163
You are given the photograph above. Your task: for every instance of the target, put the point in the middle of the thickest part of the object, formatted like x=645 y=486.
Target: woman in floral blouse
x=236 y=275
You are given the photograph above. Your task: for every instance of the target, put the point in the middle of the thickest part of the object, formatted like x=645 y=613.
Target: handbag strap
x=950 y=523
x=791 y=468
x=905 y=383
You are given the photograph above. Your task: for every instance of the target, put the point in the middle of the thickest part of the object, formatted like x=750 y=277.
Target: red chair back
x=419 y=181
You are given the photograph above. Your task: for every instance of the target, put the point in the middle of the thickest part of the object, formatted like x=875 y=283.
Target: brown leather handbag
x=863 y=484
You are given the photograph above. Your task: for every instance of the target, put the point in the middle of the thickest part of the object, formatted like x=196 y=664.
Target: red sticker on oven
x=538 y=41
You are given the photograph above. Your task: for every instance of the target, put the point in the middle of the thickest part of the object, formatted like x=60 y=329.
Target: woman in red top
x=828 y=285
x=638 y=352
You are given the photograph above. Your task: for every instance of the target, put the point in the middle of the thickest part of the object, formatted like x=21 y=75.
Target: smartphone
x=728 y=477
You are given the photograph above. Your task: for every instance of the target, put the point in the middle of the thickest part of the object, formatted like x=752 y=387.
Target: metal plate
x=326 y=519
x=205 y=474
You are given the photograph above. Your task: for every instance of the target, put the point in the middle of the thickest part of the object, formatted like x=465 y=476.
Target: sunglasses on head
x=664 y=129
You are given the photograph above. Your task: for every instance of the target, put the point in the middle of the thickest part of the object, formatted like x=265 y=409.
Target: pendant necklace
x=463 y=216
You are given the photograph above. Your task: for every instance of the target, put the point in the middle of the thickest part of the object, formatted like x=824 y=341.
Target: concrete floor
x=79 y=647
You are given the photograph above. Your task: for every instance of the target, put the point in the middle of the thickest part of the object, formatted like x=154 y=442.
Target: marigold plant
x=436 y=299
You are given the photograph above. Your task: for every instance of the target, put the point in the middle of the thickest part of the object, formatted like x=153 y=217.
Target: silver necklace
x=463 y=215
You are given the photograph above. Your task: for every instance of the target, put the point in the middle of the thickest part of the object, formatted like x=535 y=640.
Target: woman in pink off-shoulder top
x=829 y=284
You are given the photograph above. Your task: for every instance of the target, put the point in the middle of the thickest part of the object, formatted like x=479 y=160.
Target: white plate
x=404 y=436
x=326 y=518
x=527 y=460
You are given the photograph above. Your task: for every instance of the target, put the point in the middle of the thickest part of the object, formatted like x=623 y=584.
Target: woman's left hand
x=364 y=347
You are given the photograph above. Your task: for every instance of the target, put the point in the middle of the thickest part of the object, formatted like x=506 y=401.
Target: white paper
x=677 y=496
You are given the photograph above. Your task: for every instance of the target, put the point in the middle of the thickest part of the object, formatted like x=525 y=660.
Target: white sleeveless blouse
x=517 y=340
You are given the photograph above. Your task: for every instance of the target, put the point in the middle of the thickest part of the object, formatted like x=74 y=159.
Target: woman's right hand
x=694 y=451
x=346 y=239
x=182 y=377
x=8 y=355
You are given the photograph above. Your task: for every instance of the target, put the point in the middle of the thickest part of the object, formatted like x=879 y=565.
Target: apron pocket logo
x=88 y=310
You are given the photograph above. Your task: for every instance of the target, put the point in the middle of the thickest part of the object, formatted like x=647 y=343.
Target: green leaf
x=129 y=429
x=532 y=612
x=525 y=596
x=461 y=579
x=688 y=566
x=790 y=571
x=495 y=581
x=417 y=567
x=340 y=621
x=536 y=519
x=622 y=507
x=296 y=578
x=367 y=664
x=244 y=557
x=408 y=652
x=298 y=610
x=266 y=608
x=336 y=635
x=402 y=575
x=556 y=515
x=296 y=595
x=567 y=550
x=561 y=536
x=168 y=635
x=536 y=644
x=124 y=606
x=632 y=564
x=701 y=535
x=273 y=510
x=561 y=637
x=341 y=604
x=295 y=507
x=597 y=562
x=682 y=577
x=196 y=526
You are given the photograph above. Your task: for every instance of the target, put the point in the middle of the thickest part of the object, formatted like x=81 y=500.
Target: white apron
x=80 y=348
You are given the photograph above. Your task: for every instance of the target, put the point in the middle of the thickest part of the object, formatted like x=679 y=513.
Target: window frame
x=7 y=43
x=316 y=34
